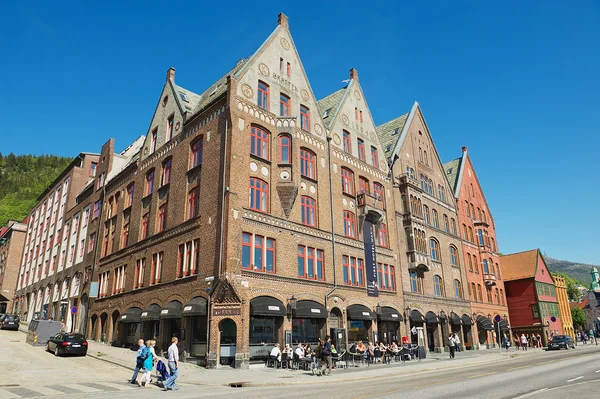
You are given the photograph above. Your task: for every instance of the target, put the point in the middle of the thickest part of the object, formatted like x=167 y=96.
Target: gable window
x=258 y=253
x=196 y=152
x=426 y=214
x=475 y=264
x=93 y=168
x=170 y=125
x=309 y=209
x=140 y=265
x=153 y=140
x=258 y=195
x=434 y=247
x=361 y=149
x=129 y=196
x=446 y=223
x=162 y=217
x=471 y=239
x=438 y=288
x=436 y=222
x=378 y=193
x=469 y=262
x=284 y=105
x=347 y=145
x=349 y=224
x=486 y=268
x=457 y=289
x=453 y=255
x=480 y=236
x=374 y=157
x=259 y=142
x=149 y=183
x=193 y=202
x=310 y=263
x=382 y=239
x=453 y=226
x=441 y=193
x=347 y=181
x=125 y=236
x=156 y=272
x=166 y=172
x=289 y=70
x=363 y=185
x=307 y=163
x=353 y=270
x=285 y=149
x=263 y=95
x=304 y=118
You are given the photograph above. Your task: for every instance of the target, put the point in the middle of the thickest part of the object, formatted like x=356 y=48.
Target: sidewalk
x=258 y=375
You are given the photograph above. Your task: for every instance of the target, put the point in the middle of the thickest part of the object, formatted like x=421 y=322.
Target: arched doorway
x=114 y=332
x=103 y=319
x=336 y=329
x=93 y=327
x=228 y=341
x=82 y=314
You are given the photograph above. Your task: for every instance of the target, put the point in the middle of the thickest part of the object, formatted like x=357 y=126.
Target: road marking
x=379 y=394
x=433 y=383
x=481 y=375
x=531 y=393
x=575 y=379
x=548 y=361
x=517 y=368
x=597 y=371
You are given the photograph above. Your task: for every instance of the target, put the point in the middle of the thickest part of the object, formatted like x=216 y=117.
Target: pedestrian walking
x=148 y=365
x=326 y=356
x=506 y=342
x=593 y=337
x=517 y=342
x=539 y=340
x=173 y=363
x=451 y=345
x=142 y=353
x=524 y=342
x=457 y=342
x=316 y=357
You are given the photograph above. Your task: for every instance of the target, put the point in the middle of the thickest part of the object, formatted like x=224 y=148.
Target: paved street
x=538 y=374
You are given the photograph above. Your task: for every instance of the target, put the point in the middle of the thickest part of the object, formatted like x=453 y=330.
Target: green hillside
x=22 y=179
x=578 y=271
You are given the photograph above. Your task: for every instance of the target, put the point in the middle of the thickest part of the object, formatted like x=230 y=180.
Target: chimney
x=354 y=74
x=464 y=149
x=282 y=20
x=171 y=74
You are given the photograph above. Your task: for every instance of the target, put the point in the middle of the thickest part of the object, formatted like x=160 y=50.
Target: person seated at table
x=288 y=350
x=361 y=348
x=370 y=353
x=307 y=351
x=275 y=353
x=394 y=347
x=299 y=352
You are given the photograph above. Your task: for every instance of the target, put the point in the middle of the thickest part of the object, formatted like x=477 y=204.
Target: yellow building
x=563 y=306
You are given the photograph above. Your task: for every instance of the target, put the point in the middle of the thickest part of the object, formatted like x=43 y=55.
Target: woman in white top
x=276 y=353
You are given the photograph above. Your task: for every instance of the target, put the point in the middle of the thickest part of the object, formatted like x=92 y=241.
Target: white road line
x=531 y=393
x=597 y=371
x=575 y=379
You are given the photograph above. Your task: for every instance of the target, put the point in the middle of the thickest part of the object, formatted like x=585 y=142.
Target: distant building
x=592 y=307
x=12 y=240
x=531 y=295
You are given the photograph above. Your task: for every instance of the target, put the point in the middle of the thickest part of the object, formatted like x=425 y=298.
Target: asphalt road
x=30 y=372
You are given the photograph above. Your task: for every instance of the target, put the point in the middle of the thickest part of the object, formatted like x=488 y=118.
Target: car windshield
x=73 y=337
x=10 y=318
x=559 y=338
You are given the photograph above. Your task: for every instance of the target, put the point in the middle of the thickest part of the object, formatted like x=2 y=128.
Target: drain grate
x=237 y=384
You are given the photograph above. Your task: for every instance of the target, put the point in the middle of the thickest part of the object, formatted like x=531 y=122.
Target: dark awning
x=195 y=307
x=483 y=323
x=431 y=318
x=3 y=298
x=467 y=320
x=455 y=319
x=310 y=310
x=503 y=326
x=171 y=311
x=416 y=316
x=151 y=313
x=132 y=315
x=267 y=306
x=359 y=312
x=389 y=314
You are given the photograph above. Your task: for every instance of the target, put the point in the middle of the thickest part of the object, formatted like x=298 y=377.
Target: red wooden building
x=531 y=295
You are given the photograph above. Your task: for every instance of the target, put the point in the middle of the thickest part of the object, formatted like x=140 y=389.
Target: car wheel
x=56 y=352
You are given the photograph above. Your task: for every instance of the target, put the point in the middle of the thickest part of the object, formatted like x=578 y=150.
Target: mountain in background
x=578 y=271
x=22 y=179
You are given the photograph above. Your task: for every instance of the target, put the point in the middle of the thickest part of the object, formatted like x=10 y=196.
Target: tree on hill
x=573 y=292
x=578 y=317
x=22 y=179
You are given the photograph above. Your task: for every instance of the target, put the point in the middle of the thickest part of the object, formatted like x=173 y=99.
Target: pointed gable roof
x=330 y=105
x=389 y=133
x=217 y=88
x=520 y=265
x=453 y=170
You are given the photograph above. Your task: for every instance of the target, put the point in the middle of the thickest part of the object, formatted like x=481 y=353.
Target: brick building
x=480 y=252
x=12 y=240
x=44 y=248
x=531 y=295
x=432 y=268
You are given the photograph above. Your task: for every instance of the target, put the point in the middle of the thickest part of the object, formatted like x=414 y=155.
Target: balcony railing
x=489 y=279
x=418 y=261
x=370 y=207
x=365 y=199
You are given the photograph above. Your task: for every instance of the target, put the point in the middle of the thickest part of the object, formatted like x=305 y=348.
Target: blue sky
x=516 y=83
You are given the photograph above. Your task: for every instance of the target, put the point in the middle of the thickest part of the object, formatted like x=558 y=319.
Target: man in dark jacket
x=142 y=354
x=326 y=356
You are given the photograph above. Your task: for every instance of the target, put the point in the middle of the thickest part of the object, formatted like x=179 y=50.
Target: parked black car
x=560 y=342
x=66 y=343
x=9 y=322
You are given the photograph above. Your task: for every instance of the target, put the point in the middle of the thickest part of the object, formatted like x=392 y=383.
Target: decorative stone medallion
x=264 y=171
x=253 y=166
x=247 y=91
x=357 y=95
x=318 y=129
x=263 y=68
x=345 y=120
x=284 y=175
x=373 y=137
x=336 y=139
x=284 y=43
x=304 y=94
x=382 y=165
